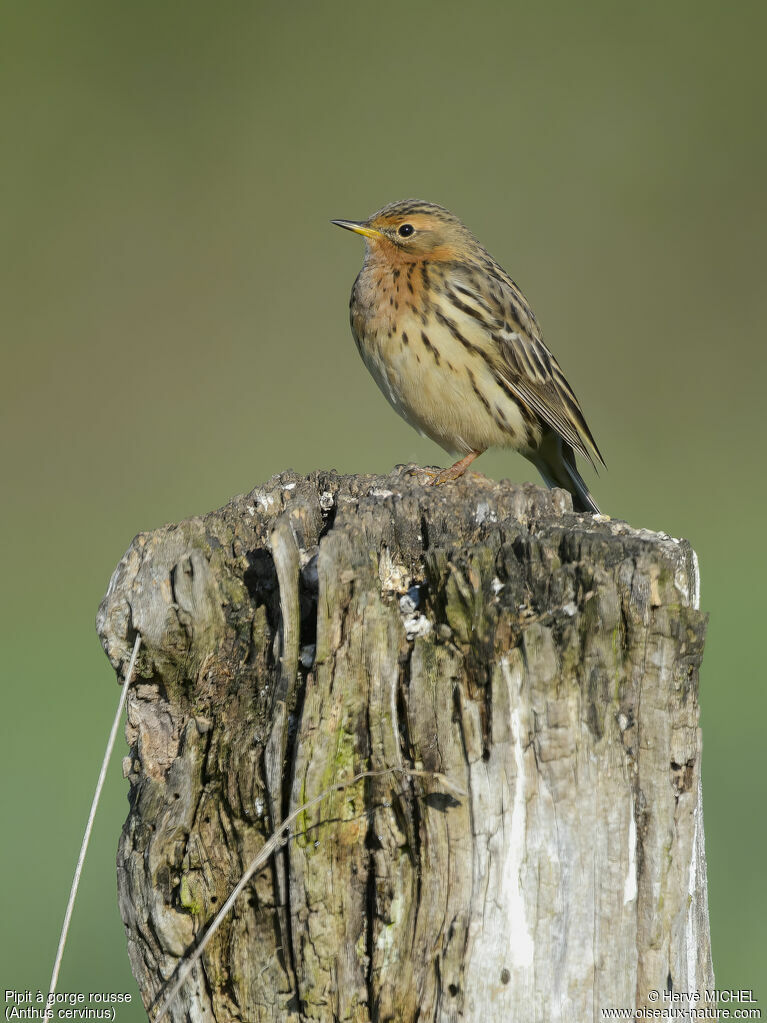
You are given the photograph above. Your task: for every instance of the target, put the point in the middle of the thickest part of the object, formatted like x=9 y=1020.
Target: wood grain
x=545 y=662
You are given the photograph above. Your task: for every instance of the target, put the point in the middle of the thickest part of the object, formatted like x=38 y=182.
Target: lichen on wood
x=545 y=662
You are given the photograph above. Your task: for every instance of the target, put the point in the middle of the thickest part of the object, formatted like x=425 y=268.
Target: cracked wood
x=545 y=662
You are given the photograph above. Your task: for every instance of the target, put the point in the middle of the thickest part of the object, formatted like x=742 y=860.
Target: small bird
x=455 y=348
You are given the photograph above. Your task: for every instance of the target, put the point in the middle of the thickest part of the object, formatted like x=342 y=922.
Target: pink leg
x=454 y=471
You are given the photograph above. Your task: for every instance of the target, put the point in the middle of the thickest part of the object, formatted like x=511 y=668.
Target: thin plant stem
x=91 y=818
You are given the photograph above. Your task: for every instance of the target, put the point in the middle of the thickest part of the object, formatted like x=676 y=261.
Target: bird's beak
x=359 y=227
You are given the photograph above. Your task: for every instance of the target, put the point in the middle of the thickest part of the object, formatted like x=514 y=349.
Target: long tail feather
x=556 y=464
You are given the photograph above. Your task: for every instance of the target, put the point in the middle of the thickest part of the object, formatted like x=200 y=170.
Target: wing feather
x=525 y=365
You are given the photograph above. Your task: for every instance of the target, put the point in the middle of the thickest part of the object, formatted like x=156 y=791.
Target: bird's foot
x=452 y=472
x=436 y=479
x=423 y=474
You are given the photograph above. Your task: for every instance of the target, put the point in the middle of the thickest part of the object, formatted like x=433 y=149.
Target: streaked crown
x=414 y=228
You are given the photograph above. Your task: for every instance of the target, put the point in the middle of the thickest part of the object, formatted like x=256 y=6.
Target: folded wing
x=525 y=364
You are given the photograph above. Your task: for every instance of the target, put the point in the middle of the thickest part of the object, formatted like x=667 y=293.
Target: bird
x=456 y=350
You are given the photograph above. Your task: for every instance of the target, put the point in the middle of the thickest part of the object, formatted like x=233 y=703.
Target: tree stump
x=546 y=663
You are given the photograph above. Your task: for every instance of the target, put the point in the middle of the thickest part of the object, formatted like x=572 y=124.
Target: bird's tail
x=555 y=461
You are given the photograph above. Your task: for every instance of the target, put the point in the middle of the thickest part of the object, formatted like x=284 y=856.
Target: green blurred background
x=175 y=307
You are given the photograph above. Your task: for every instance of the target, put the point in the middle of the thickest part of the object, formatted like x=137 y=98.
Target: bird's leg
x=453 y=471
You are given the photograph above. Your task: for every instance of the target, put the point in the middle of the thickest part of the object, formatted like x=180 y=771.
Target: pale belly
x=446 y=392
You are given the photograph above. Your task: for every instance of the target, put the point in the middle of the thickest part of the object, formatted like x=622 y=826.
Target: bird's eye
x=405 y=230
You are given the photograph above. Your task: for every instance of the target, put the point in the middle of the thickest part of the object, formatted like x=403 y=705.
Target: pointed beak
x=359 y=227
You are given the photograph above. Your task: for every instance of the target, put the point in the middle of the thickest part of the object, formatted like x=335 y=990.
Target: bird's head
x=410 y=230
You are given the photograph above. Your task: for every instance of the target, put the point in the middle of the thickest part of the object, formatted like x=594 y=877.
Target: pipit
x=455 y=348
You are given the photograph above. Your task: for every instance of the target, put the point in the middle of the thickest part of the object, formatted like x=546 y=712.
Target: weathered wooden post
x=545 y=662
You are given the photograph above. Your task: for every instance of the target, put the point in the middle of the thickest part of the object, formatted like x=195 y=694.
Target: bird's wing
x=526 y=365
